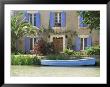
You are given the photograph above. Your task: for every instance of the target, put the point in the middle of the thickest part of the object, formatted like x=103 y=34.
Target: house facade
x=70 y=31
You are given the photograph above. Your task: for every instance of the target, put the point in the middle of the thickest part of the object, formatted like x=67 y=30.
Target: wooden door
x=58 y=44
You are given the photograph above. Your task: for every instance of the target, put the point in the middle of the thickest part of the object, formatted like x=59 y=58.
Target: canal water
x=50 y=71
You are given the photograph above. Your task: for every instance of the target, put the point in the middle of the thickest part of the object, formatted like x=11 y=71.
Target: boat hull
x=87 y=61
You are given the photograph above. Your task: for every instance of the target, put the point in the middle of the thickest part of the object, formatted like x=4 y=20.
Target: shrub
x=79 y=53
x=42 y=48
x=69 y=43
x=49 y=48
x=36 y=60
x=24 y=60
x=75 y=53
x=95 y=50
x=39 y=47
x=68 y=51
x=18 y=52
x=57 y=57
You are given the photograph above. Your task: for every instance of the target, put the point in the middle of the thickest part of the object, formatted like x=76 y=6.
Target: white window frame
x=58 y=18
x=29 y=17
x=32 y=18
x=83 y=45
x=33 y=42
x=83 y=36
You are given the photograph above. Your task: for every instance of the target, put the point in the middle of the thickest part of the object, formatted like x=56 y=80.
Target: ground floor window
x=83 y=43
x=32 y=42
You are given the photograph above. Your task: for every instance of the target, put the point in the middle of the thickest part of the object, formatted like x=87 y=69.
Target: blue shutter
x=26 y=16
x=38 y=20
x=27 y=44
x=78 y=43
x=80 y=21
x=89 y=41
x=63 y=19
x=81 y=24
x=51 y=19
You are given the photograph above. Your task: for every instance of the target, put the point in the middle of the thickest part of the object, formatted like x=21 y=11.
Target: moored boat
x=76 y=62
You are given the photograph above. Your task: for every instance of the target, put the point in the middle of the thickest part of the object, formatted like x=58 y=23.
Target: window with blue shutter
x=81 y=24
x=51 y=19
x=35 y=19
x=63 y=19
x=57 y=19
x=85 y=43
x=38 y=20
x=30 y=18
x=78 y=43
x=26 y=16
x=82 y=43
x=32 y=42
x=89 y=41
x=27 y=44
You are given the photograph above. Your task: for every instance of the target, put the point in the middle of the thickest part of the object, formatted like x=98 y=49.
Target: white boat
x=76 y=62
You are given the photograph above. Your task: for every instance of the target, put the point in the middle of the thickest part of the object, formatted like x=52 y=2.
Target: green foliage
x=20 y=28
x=36 y=61
x=75 y=53
x=49 y=48
x=79 y=54
x=95 y=50
x=24 y=60
x=68 y=51
x=57 y=57
x=92 y=18
x=69 y=43
x=18 y=52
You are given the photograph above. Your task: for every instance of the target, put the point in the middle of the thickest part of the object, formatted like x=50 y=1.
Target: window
x=57 y=19
x=81 y=24
x=83 y=43
x=32 y=42
x=32 y=18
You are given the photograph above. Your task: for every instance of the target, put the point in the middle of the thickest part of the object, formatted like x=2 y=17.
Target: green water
x=46 y=71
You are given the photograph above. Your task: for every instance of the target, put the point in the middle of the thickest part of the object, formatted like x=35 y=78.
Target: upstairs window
x=57 y=19
x=81 y=24
x=32 y=18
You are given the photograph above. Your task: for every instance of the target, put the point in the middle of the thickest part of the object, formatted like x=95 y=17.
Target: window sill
x=83 y=27
x=57 y=27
